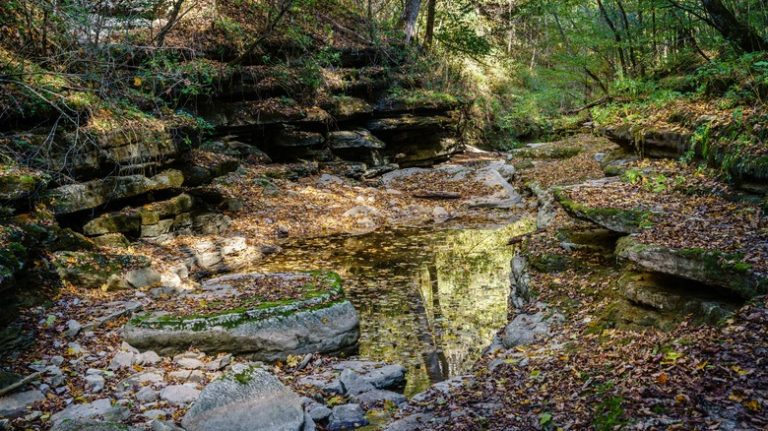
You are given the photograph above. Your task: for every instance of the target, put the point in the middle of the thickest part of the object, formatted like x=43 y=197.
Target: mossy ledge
x=319 y=322
x=613 y=219
x=712 y=267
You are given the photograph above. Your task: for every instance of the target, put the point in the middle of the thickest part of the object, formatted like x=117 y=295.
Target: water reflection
x=430 y=300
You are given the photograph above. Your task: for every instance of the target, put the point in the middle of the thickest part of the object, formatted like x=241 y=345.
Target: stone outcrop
x=324 y=321
x=93 y=194
x=650 y=142
x=709 y=267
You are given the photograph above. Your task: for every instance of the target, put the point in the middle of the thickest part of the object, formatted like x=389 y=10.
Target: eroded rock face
x=320 y=321
x=659 y=143
x=705 y=266
x=246 y=399
x=92 y=194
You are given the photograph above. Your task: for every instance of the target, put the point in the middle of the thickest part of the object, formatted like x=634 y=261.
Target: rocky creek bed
x=443 y=332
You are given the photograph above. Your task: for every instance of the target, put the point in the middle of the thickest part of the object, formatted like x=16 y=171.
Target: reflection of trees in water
x=430 y=301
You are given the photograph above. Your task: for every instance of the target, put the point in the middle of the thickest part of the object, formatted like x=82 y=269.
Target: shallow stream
x=431 y=300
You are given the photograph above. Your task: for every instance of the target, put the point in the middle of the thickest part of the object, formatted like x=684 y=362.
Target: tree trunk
x=616 y=36
x=738 y=33
x=410 y=15
x=430 y=23
x=160 y=40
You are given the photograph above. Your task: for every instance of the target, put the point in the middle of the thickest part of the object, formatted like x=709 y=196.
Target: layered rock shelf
x=313 y=317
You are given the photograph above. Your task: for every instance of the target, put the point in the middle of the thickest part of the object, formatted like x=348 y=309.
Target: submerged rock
x=247 y=399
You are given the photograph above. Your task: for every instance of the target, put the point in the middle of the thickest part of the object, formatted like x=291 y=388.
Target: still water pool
x=430 y=300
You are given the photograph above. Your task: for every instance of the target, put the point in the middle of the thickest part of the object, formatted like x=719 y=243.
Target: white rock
x=148 y=358
x=179 y=394
x=73 y=328
x=94 y=383
x=190 y=363
x=122 y=360
x=146 y=395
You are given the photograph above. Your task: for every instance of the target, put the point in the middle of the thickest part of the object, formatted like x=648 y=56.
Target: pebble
x=179 y=394
x=73 y=328
x=94 y=383
x=148 y=358
x=146 y=395
x=155 y=414
x=121 y=360
x=190 y=363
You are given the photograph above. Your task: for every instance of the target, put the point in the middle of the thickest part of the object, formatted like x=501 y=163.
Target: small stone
x=74 y=349
x=94 y=383
x=347 y=417
x=122 y=360
x=128 y=348
x=319 y=413
x=73 y=328
x=190 y=363
x=155 y=414
x=377 y=398
x=146 y=395
x=354 y=383
x=192 y=376
x=219 y=363
x=179 y=395
x=148 y=358
x=57 y=360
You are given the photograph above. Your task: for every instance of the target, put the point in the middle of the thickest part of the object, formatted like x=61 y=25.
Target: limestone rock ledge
x=323 y=323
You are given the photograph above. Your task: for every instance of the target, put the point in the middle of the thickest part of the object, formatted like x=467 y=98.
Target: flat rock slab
x=246 y=399
x=322 y=321
x=710 y=267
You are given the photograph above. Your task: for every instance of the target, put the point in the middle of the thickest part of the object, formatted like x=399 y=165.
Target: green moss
x=629 y=219
x=324 y=292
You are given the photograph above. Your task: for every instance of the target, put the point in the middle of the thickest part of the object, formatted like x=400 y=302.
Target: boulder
x=322 y=321
x=201 y=166
x=358 y=145
x=19 y=183
x=247 y=399
x=92 y=270
x=85 y=413
x=18 y=403
x=347 y=417
x=292 y=137
x=528 y=328
x=711 y=267
x=92 y=194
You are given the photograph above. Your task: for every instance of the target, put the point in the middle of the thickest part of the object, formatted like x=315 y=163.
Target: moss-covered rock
x=92 y=194
x=18 y=183
x=343 y=107
x=614 y=219
x=93 y=270
x=319 y=320
x=711 y=267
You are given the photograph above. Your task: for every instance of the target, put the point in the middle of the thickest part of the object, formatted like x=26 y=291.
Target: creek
x=429 y=299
